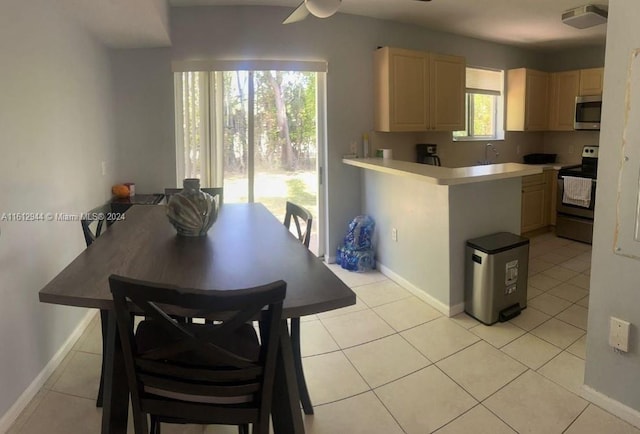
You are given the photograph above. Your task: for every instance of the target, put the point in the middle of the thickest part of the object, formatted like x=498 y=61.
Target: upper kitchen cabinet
x=591 y=81
x=417 y=91
x=527 y=100
x=563 y=89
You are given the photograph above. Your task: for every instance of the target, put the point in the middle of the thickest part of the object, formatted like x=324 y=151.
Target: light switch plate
x=619 y=334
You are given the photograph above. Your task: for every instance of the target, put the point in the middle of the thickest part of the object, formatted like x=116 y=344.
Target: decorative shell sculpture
x=192 y=212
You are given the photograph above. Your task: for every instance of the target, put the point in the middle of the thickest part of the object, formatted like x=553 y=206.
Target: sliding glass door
x=257 y=134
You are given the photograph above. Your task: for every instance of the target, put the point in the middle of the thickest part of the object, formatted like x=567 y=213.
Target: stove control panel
x=590 y=152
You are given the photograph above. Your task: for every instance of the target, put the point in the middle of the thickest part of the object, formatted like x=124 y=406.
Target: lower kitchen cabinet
x=538 y=208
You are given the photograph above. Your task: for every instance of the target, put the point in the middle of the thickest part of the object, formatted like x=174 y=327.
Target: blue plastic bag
x=356 y=253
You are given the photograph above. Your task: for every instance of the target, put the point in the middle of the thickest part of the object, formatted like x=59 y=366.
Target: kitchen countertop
x=447 y=175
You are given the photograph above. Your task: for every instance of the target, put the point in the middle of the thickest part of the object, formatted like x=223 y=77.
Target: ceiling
x=526 y=23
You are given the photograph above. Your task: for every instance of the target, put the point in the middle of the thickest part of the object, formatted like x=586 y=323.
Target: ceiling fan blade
x=299 y=14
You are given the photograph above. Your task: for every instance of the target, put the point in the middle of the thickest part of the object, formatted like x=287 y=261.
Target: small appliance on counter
x=427 y=154
x=539 y=158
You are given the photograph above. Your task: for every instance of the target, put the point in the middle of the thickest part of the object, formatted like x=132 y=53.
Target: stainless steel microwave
x=588 y=112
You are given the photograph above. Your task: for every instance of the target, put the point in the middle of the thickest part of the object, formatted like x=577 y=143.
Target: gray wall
x=56 y=128
x=614 y=279
x=144 y=84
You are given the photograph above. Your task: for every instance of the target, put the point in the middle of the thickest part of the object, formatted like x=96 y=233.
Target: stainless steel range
x=577 y=197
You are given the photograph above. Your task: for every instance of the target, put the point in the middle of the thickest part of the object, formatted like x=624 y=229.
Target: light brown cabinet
x=538 y=195
x=591 y=81
x=563 y=89
x=417 y=91
x=527 y=100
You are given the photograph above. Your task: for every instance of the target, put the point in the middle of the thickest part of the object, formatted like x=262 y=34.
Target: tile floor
x=393 y=364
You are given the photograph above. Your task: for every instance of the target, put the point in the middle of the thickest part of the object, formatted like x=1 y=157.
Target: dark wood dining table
x=247 y=246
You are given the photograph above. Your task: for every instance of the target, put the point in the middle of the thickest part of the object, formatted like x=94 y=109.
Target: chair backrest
x=213 y=191
x=93 y=222
x=299 y=214
x=200 y=377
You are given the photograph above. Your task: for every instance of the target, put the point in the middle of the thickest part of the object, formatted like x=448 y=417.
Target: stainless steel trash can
x=496 y=271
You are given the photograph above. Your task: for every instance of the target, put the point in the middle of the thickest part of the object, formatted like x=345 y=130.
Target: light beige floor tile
x=315 y=339
x=478 y=420
x=309 y=317
x=465 y=320
x=58 y=371
x=587 y=272
x=81 y=376
x=331 y=377
x=24 y=416
x=481 y=369
x=529 y=318
x=537 y=265
x=560 y=273
x=594 y=420
x=542 y=282
x=534 y=404
x=91 y=340
x=553 y=257
x=352 y=279
x=357 y=328
x=407 y=313
x=386 y=291
x=584 y=302
x=386 y=359
x=439 y=338
x=575 y=315
x=358 y=307
x=581 y=281
x=531 y=351
x=362 y=414
x=558 y=333
x=567 y=370
x=440 y=400
x=533 y=292
x=579 y=348
x=549 y=304
x=59 y=413
x=576 y=264
x=498 y=334
x=219 y=429
x=568 y=292
x=568 y=251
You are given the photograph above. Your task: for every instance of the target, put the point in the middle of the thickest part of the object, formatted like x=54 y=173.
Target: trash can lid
x=496 y=243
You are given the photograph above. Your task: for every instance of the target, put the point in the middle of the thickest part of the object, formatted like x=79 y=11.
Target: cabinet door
x=536 y=101
x=533 y=209
x=401 y=90
x=447 y=88
x=591 y=81
x=563 y=89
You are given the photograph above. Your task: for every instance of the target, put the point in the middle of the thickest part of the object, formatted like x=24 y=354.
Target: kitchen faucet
x=486 y=149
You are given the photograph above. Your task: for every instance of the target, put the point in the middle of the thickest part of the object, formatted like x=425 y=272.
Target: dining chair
x=213 y=191
x=302 y=220
x=217 y=373
x=94 y=223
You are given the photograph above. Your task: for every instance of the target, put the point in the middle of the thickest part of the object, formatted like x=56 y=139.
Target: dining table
x=247 y=246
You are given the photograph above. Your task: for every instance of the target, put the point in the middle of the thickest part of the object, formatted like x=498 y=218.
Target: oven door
x=575 y=210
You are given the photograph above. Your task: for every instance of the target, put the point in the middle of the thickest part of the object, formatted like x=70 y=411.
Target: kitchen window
x=484 y=112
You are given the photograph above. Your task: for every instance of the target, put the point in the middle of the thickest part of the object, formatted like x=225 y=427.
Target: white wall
x=615 y=288
x=345 y=41
x=55 y=129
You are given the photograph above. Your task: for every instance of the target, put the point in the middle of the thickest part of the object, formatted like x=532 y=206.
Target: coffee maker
x=427 y=154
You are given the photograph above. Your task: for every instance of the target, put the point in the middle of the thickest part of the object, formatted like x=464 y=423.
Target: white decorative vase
x=192 y=211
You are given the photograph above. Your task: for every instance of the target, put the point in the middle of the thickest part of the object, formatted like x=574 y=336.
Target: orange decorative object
x=120 y=190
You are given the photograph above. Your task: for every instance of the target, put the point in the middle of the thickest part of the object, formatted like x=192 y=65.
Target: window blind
x=484 y=81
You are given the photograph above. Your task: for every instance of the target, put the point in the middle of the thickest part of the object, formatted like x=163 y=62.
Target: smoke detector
x=584 y=17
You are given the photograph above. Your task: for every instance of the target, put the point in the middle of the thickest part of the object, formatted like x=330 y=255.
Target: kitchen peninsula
x=425 y=214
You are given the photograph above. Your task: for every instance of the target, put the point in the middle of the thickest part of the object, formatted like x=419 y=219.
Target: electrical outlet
x=394 y=234
x=619 y=334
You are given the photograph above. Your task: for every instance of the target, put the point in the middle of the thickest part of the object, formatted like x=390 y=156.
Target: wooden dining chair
x=204 y=374
x=94 y=223
x=213 y=191
x=302 y=221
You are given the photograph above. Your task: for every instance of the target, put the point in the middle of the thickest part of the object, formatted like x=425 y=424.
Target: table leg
x=104 y=318
x=307 y=406
x=285 y=409
x=116 y=391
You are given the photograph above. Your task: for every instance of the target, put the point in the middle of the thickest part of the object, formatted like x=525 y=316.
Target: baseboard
x=437 y=304
x=21 y=403
x=614 y=407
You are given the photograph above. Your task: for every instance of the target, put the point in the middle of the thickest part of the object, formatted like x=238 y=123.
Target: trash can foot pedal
x=510 y=312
